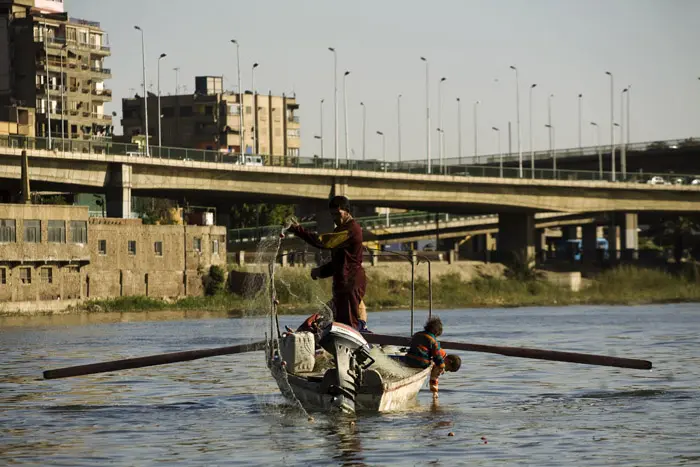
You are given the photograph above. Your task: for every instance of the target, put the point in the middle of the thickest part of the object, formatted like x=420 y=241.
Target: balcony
x=98 y=116
x=102 y=93
x=293 y=119
x=54 y=90
x=102 y=71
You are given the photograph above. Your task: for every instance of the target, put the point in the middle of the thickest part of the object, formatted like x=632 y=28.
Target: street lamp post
x=321 y=137
x=177 y=79
x=160 y=117
x=600 y=150
x=63 y=108
x=580 y=143
x=145 y=96
x=427 y=110
x=532 y=144
x=459 y=131
x=551 y=149
x=255 y=109
x=549 y=125
x=623 y=145
x=48 y=84
x=345 y=118
x=335 y=104
x=364 y=129
x=500 y=154
x=441 y=130
x=383 y=148
x=476 y=130
x=241 y=112
x=517 y=110
x=398 y=112
x=612 y=123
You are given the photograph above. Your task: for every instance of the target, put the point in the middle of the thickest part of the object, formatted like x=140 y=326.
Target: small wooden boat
x=355 y=382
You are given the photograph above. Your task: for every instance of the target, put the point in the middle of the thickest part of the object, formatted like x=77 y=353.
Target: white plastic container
x=297 y=351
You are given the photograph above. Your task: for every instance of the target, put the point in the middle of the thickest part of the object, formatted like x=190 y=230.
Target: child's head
x=452 y=362
x=433 y=326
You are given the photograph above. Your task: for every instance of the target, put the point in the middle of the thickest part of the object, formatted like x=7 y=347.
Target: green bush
x=216 y=281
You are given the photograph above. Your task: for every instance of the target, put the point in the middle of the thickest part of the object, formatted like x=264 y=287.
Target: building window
x=32 y=231
x=168 y=112
x=293 y=152
x=132 y=247
x=102 y=247
x=3 y=276
x=158 y=248
x=234 y=109
x=293 y=133
x=46 y=275
x=25 y=275
x=186 y=111
x=78 y=231
x=7 y=231
x=248 y=110
x=197 y=244
x=57 y=231
x=215 y=247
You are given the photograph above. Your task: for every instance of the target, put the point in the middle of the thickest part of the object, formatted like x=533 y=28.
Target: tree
x=156 y=211
x=682 y=234
x=257 y=215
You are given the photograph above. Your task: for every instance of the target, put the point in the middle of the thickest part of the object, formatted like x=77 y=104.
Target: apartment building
x=55 y=63
x=213 y=119
x=50 y=252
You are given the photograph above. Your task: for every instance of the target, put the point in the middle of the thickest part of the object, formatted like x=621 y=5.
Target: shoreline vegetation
x=623 y=285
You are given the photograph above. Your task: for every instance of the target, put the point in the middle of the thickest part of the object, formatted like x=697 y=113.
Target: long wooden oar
x=151 y=360
x=523 y=352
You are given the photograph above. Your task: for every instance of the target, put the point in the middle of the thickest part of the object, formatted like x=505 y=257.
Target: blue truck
x=571 y=249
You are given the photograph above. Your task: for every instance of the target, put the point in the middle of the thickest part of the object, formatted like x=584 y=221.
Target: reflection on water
x=227 y=410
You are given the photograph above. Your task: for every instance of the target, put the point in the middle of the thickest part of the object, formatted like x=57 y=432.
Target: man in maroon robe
x=345 y=243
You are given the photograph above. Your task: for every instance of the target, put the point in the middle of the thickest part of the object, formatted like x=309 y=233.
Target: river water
x=228 y=411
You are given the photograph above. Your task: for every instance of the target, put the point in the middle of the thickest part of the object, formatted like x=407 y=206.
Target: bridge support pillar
x=569 y=232
x=589 y=243
x=119 y=192
x=541 y=245
x=629 y=236
x=613 y=238
x=223 y=218
x=516 y=238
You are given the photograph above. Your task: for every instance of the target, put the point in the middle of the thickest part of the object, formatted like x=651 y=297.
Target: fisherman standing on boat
x=345 y=243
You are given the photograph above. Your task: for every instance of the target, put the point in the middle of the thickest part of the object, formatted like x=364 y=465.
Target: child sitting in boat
x=425 y=349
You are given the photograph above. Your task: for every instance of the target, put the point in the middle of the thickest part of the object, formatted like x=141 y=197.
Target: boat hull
x=310 y=391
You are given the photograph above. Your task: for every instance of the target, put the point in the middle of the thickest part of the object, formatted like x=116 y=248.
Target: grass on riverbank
x=625 y=285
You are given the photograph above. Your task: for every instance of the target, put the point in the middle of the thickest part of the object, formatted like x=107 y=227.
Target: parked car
x=678 y=181
x=656 y=180
x=249 y=159
x=696 y=181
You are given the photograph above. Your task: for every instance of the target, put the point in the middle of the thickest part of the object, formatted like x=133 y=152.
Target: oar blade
x=522 y=352
x=151 y=360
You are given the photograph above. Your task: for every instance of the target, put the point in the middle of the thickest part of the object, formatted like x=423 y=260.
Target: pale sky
x=564 y=46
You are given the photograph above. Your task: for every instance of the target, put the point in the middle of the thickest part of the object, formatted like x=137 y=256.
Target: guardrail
x=189 y=155
x=370 y=223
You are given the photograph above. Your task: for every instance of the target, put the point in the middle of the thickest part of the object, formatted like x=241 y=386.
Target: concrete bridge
x=516 y=200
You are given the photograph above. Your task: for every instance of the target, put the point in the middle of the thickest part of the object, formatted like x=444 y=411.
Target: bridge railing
x=370 y=223
x=468 y=167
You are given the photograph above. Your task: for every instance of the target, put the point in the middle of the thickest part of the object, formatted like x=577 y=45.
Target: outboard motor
x=351 y=353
